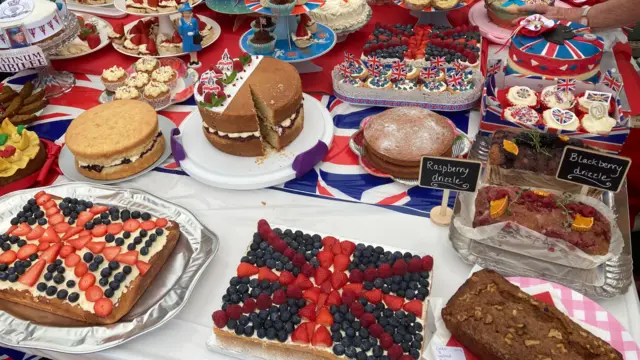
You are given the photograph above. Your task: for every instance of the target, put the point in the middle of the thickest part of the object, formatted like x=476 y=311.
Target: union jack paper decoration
x=429 y=72
x=209 y=78
x=566 y=85
x=226 y=62
x=494 y=68
x=349 y=59
x=536 y=23
x=399 y=70
x=344 y=70
x=459 y=66
x=611 y=80
x=597 y=96
x=373 y=63
x=438 y=61
x=263 y=21
x=456 y=79
x=563 y=117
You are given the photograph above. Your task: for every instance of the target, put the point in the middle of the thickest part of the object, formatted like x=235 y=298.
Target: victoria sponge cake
x=115 y=140
x=249 y=101
x=395 y=140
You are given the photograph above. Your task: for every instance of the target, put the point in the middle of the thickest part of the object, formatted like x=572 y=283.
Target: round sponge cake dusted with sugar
x=115 y=140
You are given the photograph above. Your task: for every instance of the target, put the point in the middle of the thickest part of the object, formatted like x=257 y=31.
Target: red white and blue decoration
x=438 y=61
x=566 y=85
x=563 y=117
x=534 y=25
x=612 y=80
x=310 y=5
x=494 y=67
x=399 y=70
x=430 y=72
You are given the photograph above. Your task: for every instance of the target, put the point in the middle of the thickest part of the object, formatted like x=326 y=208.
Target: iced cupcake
x=113 y=78
x=551 y=97
x=166 y=75
x=522 y=96
x=269 y=24
x=282 y=7
x=138 y=80
x=127 y=93
x=262 y=42
x=157 y=94
x=146 y=64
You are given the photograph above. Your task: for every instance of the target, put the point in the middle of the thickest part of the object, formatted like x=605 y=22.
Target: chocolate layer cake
x=396 y=139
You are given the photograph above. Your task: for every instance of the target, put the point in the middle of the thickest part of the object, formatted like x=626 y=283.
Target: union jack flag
x=566 y=85
x=611 y=81
x=349 y=59
x=561 y=116
x=429 y=72
x=344 y=70
x=460 y=66
x=438 y=61
x=399 y=70
x=373 y=62
x=598 y=96
x=456 y=79
x=494 y=68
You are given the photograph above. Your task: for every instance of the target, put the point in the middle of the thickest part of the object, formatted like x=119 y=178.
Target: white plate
x=211 y=166
x=121 y=5
x=108 y=3
x=214 y=25
x=103 y=28
x=67 y=161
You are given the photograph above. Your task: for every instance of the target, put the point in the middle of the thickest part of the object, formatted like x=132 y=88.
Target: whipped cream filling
x=129 y=45
x=285 y=124
x=113 y=35
x=123 y=161
x=238 y=135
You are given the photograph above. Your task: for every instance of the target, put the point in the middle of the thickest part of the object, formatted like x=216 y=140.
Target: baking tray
x=605 y=281
x=30 y=328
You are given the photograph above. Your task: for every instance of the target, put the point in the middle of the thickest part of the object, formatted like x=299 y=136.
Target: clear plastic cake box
x=492 y=120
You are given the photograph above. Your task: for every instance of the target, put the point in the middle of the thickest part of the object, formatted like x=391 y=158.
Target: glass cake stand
x=432 y=15
x=55 y=82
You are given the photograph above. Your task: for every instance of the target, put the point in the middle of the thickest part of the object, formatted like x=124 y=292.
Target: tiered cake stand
x=431 y=15
x=323 y=40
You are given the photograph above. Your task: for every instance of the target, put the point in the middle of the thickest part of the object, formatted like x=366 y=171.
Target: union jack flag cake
x=570 y=50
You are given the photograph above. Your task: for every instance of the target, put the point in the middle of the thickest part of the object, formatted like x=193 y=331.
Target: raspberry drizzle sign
x=593 y=168
x=449 y=174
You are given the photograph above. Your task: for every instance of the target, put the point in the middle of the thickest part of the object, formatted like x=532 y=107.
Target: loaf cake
x=81 y=260
x=396 y=139
x=248 y=101
x=554 y=216
x=21 y=153
x=296 y=292
x=496 y=320
x=115 y=140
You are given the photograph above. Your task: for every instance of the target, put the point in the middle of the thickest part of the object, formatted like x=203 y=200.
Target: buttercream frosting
x=522 y=95
x=155 y=88
x=146 y=64
x=126 y=92
x=163 y=74
x=560 y=119
x=114 y=73
x=138 y=80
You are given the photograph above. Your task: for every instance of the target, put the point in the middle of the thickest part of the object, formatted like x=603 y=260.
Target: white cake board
x=211 y=166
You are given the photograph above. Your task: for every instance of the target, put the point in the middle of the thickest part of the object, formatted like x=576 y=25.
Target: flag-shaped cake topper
x=349 y=59
x=456 y=79
x=597 y=96
x=398 y=70
x=494 y=67
x=345 y=70
x=438 y=61
x=430 y=72
x=459 y=66
x=612 y=80
x=562 y=117
x=374 y=65
x=566 y=85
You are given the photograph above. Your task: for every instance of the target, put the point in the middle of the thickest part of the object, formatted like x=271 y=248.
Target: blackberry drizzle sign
x=593 y=169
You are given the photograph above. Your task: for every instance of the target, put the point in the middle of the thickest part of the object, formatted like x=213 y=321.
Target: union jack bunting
x=399 y=70
x=566 y=85
x=611 y=81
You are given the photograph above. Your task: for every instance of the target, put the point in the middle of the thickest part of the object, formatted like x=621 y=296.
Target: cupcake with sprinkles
x=552 y=97
x=406 y=85
x=522 y=96
x=379 y=82
x=358 y=71
x=434 y=87
x=521 y=115
x=352 y=82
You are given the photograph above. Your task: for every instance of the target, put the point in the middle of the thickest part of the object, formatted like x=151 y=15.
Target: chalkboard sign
x=447 y=173
x=593 y=168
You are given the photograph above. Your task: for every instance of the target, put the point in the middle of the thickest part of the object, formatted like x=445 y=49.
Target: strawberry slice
x=79 y=242
x=8 y=257
x=93 y=293
x=312 y=294
x=321 y=275
x=99 y=230
x=62 y=227
x=300 y=334
x=36 y=233
x=66 y=250
x=246 y=269
x=308 y=312
x=56 y=219
x=339 y=279
x=415 y=307
x=131 y=225
x=83 y=218
x=86 y=281
x=73 y=231
x=52 y=211
x=161 y=222
x=303 y=282
x=39 y=193
x=11 y=228
x=85 y=233
x=98 y=209
x=148 y=225
x=322 y=299
x=72 y=260
x=143 y=267
x=334 y=298
x=341 y=262
x=81 y=269
x=31 y=276
x=43 y=246
x=324 y=317
x=43 y=199
x=96 y=247
x=111 y=252
x=130 y=257
x=266 y=274
x=26 y=251
x=103 y=307
x=22 y=230
x=347 y=247
x=356 y=288
x=393 y=302
x=51 y=254
x=50 y=205
x=325 y=258
x=50 y=235
x=322 y=337
x=114 y=228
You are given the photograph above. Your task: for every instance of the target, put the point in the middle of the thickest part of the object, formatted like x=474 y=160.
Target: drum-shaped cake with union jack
x=569 y=50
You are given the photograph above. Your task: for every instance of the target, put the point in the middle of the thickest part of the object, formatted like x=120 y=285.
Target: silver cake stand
x=55 y=82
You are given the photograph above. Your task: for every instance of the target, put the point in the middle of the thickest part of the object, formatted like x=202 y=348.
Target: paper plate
x=67 y=161
x=210 y=166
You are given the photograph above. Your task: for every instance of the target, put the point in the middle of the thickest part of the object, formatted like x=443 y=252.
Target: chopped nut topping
x=514 y=312
x=477 y=315
x=555 y=333
x=498 y=307
x=488 y=319
x=531 y=342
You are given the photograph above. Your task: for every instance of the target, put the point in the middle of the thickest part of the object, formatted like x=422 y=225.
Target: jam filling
x=99 y=168
x=281 y=129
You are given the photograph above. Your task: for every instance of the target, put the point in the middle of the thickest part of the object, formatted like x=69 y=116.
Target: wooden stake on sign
x=441 y=215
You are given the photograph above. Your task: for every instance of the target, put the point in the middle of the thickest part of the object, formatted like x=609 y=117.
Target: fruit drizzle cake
x=80 y=260
x=326 y=297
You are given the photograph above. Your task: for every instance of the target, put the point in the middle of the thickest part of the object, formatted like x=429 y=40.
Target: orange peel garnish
x=498 y=207
x=510 y=146
x=581 y=223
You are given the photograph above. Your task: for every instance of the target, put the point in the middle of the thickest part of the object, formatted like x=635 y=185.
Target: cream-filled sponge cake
x=115 y=140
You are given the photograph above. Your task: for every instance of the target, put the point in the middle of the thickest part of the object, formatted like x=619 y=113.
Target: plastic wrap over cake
x=522 y=240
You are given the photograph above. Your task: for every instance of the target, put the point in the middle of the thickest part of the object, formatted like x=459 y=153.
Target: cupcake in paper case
x=127 y=93
x=138 y=80
x=268 y=24
x=157 y=94
x=521 y=115
x=113 y=78
x=560 y=119
x=406 y=85
x=522 y=95
x=597 y=120
x=146 y=64
x=281 y=7
x=262 y=42
x=166 y=75
x=434 y=87
x=551 y=97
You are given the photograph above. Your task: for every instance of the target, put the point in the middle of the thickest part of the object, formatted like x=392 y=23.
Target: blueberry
x=98 y=259
x=336 y=336
x=51 y=290
x=282 y=336
x=115 y=285
x=104 y=281
x=93 y=267
x=62 y=294
x=126 y=269
x=143 y=233
x=88 y=226
x=135 y=214
x=108 y=292
x=105 y=272
x=13 y=278
x=71 y=284
x=58 y=279
x=4 y=267
x=239 y=330
x=131 y=246
x=109 y=238
x=6 y=246
x=48 y=276
x=350 y=332
x=126 y=234
x=271 y=333
x=42 y=221
x=137 y=240
x=261 y=333
x=149 y=243
x=338 y=349
x=31 y=221
x=41 y=287
x=33 y=257
x=51 y=268
x=22 y=243
x=60 y=270
x=119 y=241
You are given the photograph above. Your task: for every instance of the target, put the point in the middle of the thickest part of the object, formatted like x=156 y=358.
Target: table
x=233 y=216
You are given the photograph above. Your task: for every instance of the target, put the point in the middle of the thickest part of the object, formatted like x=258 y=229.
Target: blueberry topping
x=108 y=292
x=115 y=285
x=33 y=257
x=42 y=221
x=22 y=243
x=137 y=240
x=87 y=257
x=104 y=281
x=109 y=238
x=60 y=270
x=51 y=268
x=15 y=221
x=71 y=284
x=98 y=259
x=131 y=246
x=119 y=241
x=73 y=297
x=51 y=290
x=88 y=226
x=144 y=251
x=31 y=221
x=143 y=232
x=148 y=243
x=48 y=276
x=145 y=216
x=93 y=267
x=58 y=279
x=13 y=278
x=126 y=234
x=62 y=294
x=42 y=287
x=135 y=214
x=126 y=269
x=120 y=277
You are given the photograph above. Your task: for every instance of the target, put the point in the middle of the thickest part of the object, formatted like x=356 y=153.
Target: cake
x=570 y=50
x=346 y=300
x=157 y=94
x=554 y=216
x=552 y=97
x=116 y=34
x=504 y=12
x=115 y=140
x=302 y=38
x=396 y=139
x=146 y=65
x=267 y=24
x=113 y=77
x=165 y=75
x=153 y=6
x=81 y=260
x=21 y=153
x=597 y=120
x=556 y=118
x=262 y=42
x=522 y=115
x=340 y=15
x=495 y=320
x=248 y=101
x=26 y=22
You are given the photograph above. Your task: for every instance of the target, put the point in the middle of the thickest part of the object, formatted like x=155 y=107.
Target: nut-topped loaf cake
x=558 y=217
x=81 y=260
x=496 y=320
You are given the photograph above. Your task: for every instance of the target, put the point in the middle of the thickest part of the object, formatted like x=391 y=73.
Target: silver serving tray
x=608 y=280
x=159 y=303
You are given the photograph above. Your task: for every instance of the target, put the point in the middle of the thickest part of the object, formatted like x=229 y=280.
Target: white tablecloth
x=233 y=215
